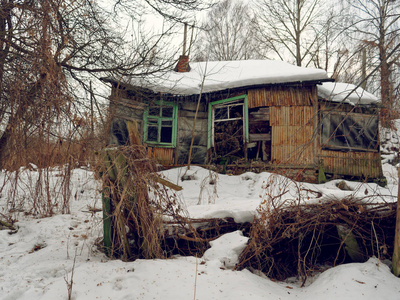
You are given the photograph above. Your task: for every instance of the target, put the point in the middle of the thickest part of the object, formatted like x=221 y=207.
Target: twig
x=70 y=281
x=376 y=238
x=8 y=225
x=195 y=281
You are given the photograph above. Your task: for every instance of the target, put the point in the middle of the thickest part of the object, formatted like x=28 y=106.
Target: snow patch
x=227 y=249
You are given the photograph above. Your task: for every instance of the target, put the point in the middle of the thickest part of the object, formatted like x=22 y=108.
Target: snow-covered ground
x=45 y=254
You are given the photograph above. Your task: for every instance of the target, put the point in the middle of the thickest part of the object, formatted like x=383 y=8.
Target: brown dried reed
x=138 y=204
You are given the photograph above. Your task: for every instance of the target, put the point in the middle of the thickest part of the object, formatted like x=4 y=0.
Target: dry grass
x=136 y=222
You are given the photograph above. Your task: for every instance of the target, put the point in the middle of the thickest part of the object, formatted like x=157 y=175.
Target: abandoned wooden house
x=263 y=113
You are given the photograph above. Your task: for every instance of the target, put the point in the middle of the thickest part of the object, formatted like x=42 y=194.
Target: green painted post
x=321 y=174
x=107 y=221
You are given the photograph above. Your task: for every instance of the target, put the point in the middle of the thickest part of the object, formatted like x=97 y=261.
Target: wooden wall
x=292 y=120
x=164 y=156
x=186 y=113
x=282 y=96
x=292 y=135
x=359 y=164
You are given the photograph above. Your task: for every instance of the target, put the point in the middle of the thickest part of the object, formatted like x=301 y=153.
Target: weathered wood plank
x=259 y=137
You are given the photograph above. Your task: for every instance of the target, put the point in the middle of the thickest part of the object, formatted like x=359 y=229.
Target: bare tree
x=50 y=46
x=375 y=25
x=229 y=33
x=50 y=52
x=288 y=27
x=329 y=50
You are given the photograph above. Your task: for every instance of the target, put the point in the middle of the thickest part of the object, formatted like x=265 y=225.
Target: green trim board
x=211 y=107
x=160 y=124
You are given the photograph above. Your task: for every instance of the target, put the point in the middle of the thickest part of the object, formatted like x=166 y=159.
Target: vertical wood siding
x=292 y=122
x=360 y=164
x=292 y=135
x=282 y=96
x=164 y=156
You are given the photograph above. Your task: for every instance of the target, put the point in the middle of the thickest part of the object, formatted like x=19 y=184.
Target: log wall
x=186 y=113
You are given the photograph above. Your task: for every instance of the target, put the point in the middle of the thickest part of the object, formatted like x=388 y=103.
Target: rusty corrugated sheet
x=164 y=156
x=360 y=164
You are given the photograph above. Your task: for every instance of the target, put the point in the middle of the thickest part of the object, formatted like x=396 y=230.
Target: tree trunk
x=396 y=251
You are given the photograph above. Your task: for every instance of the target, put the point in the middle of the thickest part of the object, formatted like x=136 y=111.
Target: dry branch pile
x=299 y=239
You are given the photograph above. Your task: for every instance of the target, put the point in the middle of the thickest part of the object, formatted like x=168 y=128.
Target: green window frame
x=228 y=101
x=160 y=124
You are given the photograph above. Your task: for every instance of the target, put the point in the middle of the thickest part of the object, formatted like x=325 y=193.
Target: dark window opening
x=228 y=129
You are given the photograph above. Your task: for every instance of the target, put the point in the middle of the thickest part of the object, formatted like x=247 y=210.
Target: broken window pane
x=166 y=134
x=154 y=111
x=236 y=111
x=349 y=131
x=152 y=132
x=167 y=111
x=221 y=113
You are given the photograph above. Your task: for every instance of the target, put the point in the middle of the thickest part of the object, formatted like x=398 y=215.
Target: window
x=161 y=124
x=228 y=126
x=349 y=131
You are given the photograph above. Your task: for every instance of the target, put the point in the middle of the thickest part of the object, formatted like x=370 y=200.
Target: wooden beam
x=254 y=137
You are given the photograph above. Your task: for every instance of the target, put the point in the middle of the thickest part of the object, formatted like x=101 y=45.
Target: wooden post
x=396 y=251
x=107 y=221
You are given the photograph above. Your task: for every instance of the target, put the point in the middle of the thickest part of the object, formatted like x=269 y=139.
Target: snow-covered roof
x=221 y=75
x=345 y=92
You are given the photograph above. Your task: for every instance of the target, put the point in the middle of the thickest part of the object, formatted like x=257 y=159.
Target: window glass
x=161 y=124
x=152 y=133
x=154 y=111
x=167 y=111
x=351 y=131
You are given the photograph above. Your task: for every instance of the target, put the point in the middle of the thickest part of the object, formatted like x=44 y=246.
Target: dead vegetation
x=136 y=206
x=300 y=239
x=143 y=217
x=297 y=231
